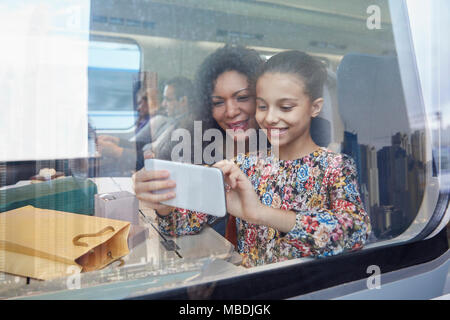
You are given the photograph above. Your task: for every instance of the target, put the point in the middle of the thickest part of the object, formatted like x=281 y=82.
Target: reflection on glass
x=392 y=180
x=172 y=39
x=112 y=70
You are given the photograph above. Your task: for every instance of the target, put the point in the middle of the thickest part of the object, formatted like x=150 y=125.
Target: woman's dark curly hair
x=229 y=58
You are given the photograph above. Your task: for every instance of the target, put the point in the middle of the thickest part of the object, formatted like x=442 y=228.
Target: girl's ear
x=316 y=107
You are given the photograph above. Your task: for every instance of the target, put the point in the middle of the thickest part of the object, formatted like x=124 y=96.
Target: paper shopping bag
x=46 y=244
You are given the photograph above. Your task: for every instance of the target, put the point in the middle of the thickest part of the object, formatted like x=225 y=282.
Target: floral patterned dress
x=320 y=188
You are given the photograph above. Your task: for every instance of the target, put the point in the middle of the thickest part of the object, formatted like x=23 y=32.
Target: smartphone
x=198 y=188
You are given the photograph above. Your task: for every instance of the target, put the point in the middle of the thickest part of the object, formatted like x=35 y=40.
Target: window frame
x=95 y=36
x=305 y=277
x=412 y=84
x=392 y=255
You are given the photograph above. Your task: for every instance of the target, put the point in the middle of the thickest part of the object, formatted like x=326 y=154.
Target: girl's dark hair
x=229 y=58
x=309 y=69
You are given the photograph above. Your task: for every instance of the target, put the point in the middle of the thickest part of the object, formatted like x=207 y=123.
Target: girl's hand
x=242 y=200
x=146 y=182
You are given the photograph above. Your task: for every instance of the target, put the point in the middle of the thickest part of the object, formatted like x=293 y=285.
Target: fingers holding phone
x=148 y=186
x=242 y=200
x=198 y=188
x=233 y=176
x=149 y=154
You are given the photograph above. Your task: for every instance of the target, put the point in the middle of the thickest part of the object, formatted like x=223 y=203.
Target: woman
x=227 y=103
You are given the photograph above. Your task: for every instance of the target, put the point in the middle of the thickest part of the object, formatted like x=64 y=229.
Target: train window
x=113 y=69
x=373 y=114
x=44 y=81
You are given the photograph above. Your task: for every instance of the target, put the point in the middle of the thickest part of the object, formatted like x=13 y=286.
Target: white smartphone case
x=198 y=188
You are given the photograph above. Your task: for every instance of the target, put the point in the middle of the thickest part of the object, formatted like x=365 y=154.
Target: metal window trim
x=104 y=38
x=424 y=225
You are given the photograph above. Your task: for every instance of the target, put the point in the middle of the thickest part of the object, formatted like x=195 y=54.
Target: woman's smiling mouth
x=238 y=125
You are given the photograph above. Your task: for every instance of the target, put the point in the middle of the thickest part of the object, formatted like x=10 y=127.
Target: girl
x=302 y=201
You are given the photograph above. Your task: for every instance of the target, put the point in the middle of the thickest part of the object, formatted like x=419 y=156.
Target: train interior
x=365 y=115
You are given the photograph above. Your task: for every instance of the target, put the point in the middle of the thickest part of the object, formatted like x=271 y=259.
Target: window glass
x=43 y=80
x=113 y=68
x=138 y=47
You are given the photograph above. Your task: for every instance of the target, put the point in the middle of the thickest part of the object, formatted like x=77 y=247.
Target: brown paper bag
x=46 y=244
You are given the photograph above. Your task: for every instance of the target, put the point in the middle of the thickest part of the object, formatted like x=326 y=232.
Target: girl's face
x=285 y=110
x=233 y=105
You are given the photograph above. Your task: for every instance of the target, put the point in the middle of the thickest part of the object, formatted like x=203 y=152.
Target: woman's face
x=233 y=105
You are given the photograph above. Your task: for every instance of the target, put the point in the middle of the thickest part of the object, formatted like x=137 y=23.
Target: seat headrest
x=320 y=131
x=370 y=98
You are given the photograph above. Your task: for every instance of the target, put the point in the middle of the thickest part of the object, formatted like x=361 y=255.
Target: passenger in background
x=143 y=109
x=147 y=100
x=121 y=157
x=178 y=101
x=154 y=137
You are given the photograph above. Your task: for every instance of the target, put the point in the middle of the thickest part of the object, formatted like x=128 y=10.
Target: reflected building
x=392 y=180
x=350 y=147
x=401 y=172
x=369 y=176
x=386 y=221
x=418 y=146
x=401 y=140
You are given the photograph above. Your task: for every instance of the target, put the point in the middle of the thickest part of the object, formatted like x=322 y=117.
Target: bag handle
x=122 y=262
x=76 y=240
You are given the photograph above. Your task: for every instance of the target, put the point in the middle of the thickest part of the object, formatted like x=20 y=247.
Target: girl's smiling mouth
x=276 y=132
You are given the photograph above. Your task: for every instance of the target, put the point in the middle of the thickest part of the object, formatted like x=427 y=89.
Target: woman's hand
x=149 y=154
x=146 y=182
x=242 y=200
